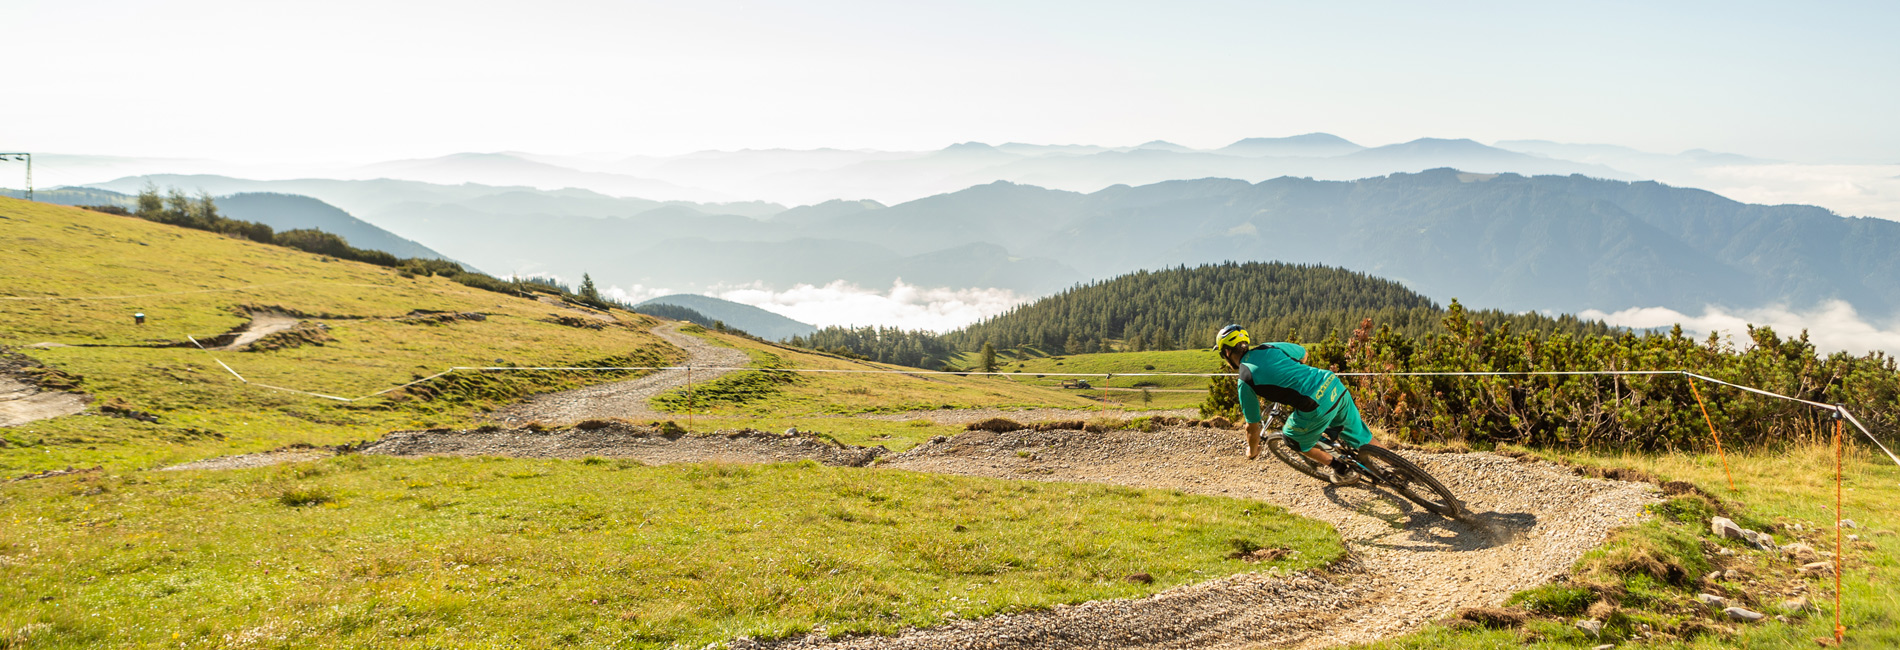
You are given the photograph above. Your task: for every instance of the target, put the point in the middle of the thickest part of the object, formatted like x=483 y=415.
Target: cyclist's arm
x=1249 y=403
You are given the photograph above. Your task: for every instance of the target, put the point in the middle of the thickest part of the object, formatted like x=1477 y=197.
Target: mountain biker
x=1320 y=402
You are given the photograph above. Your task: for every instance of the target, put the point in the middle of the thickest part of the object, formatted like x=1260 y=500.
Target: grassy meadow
x=358 y=551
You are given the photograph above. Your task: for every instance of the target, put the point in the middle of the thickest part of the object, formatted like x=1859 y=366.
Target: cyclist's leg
x=1349 y=427
x=1304 y=430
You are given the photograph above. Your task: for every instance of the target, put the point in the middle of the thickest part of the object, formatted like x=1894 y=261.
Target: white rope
x=1863 y=429
x=1684 y=373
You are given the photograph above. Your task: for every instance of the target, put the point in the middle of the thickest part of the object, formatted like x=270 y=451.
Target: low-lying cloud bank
x=1833 y=326
x=844 y=304
x=903 y=305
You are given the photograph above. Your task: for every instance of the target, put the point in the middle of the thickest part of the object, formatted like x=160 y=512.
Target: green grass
x=361 y=551
x=1644 y=564
x=827 y=394
x=1164 y=393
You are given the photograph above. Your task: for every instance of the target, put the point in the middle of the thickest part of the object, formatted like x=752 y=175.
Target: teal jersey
x=1274 y=371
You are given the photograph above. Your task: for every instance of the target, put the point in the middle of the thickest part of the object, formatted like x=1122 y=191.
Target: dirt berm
x=617 y=440
x=1406 y=567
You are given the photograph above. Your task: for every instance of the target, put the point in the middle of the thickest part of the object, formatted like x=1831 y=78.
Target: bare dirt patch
x=22 y=400
x=626 y=400
x=263 y=323
x=649 y=444
x=261 y=459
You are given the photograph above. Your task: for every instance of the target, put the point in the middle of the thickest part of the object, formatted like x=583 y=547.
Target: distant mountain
x=289 y=211
x=371 y=199
x=752 y=320
x=1311 y=145
x=509 y=169
x=1564 y=243
x=828 y=210
x=75 y=196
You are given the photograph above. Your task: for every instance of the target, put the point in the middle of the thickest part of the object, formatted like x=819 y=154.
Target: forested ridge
x=1180 y=308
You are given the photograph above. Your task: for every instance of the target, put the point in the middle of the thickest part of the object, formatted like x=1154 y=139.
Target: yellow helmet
x=1231 y=336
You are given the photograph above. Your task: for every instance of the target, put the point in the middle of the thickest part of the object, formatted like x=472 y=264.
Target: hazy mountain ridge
x=753 y=320
x=1564 y=243
x=289 y=211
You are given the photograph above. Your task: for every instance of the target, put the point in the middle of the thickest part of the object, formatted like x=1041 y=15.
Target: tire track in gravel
x=1405 y=569
x=626 y=399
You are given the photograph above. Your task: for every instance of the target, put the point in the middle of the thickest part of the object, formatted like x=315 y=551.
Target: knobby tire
x=1412 y=482
x=1281 y=448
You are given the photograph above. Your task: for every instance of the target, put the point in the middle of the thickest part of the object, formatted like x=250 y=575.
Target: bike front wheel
x=1282 y=448
x=1410 y=481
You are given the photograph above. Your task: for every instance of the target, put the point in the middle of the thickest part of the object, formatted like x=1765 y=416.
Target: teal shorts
x=1336 y=413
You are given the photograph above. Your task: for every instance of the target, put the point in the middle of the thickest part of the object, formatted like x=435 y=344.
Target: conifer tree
x=989 y=357
x=587 y=288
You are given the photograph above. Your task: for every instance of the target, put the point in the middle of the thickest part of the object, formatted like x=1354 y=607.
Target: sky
x=345 y=80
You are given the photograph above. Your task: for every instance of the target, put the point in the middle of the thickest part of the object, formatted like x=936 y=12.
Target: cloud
x=1850 y=190
x=904 y=305
x=636 y=295
x=1832 y=326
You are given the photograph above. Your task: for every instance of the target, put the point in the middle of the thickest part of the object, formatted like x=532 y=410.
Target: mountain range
x=1506 y=241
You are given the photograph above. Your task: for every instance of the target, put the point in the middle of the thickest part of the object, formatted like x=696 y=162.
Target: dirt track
x=626 y=400
x=1406 y=567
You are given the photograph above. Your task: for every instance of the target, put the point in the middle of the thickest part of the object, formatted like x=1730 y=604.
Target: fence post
x=1840 y=631
x=1718 y=437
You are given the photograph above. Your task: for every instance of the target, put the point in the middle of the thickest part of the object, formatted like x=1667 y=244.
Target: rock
x=1849 y=523
x=1725 y=528
x=1800 y=552
x=1797 y=605
x=1592 y=627
x=1853 y=538
x=1743 y=615
x=1713 y=576
x=1813 y=568
x=1712 y=601
x=1763 y=541
x=1795 y=527
x=792 y=431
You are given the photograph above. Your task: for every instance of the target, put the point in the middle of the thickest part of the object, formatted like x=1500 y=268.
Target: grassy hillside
x=821 y=402
x=361 y=551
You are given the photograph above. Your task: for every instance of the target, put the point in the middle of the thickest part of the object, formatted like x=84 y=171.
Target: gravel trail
x=1408 y=567
x=626 y=400
x=966 y=416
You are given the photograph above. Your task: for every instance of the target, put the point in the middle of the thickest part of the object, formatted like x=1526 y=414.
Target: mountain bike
x=1376 y=465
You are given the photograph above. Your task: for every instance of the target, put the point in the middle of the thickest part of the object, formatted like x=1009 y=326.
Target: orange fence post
x=1840 y=631
x=1712 y=433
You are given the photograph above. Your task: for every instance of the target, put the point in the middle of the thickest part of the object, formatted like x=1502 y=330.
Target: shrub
x=1554 y=600
x=300 y=496
x=998 y=425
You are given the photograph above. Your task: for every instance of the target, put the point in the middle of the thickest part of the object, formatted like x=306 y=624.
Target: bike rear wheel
x=1282 y=448
x=1410 y=481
